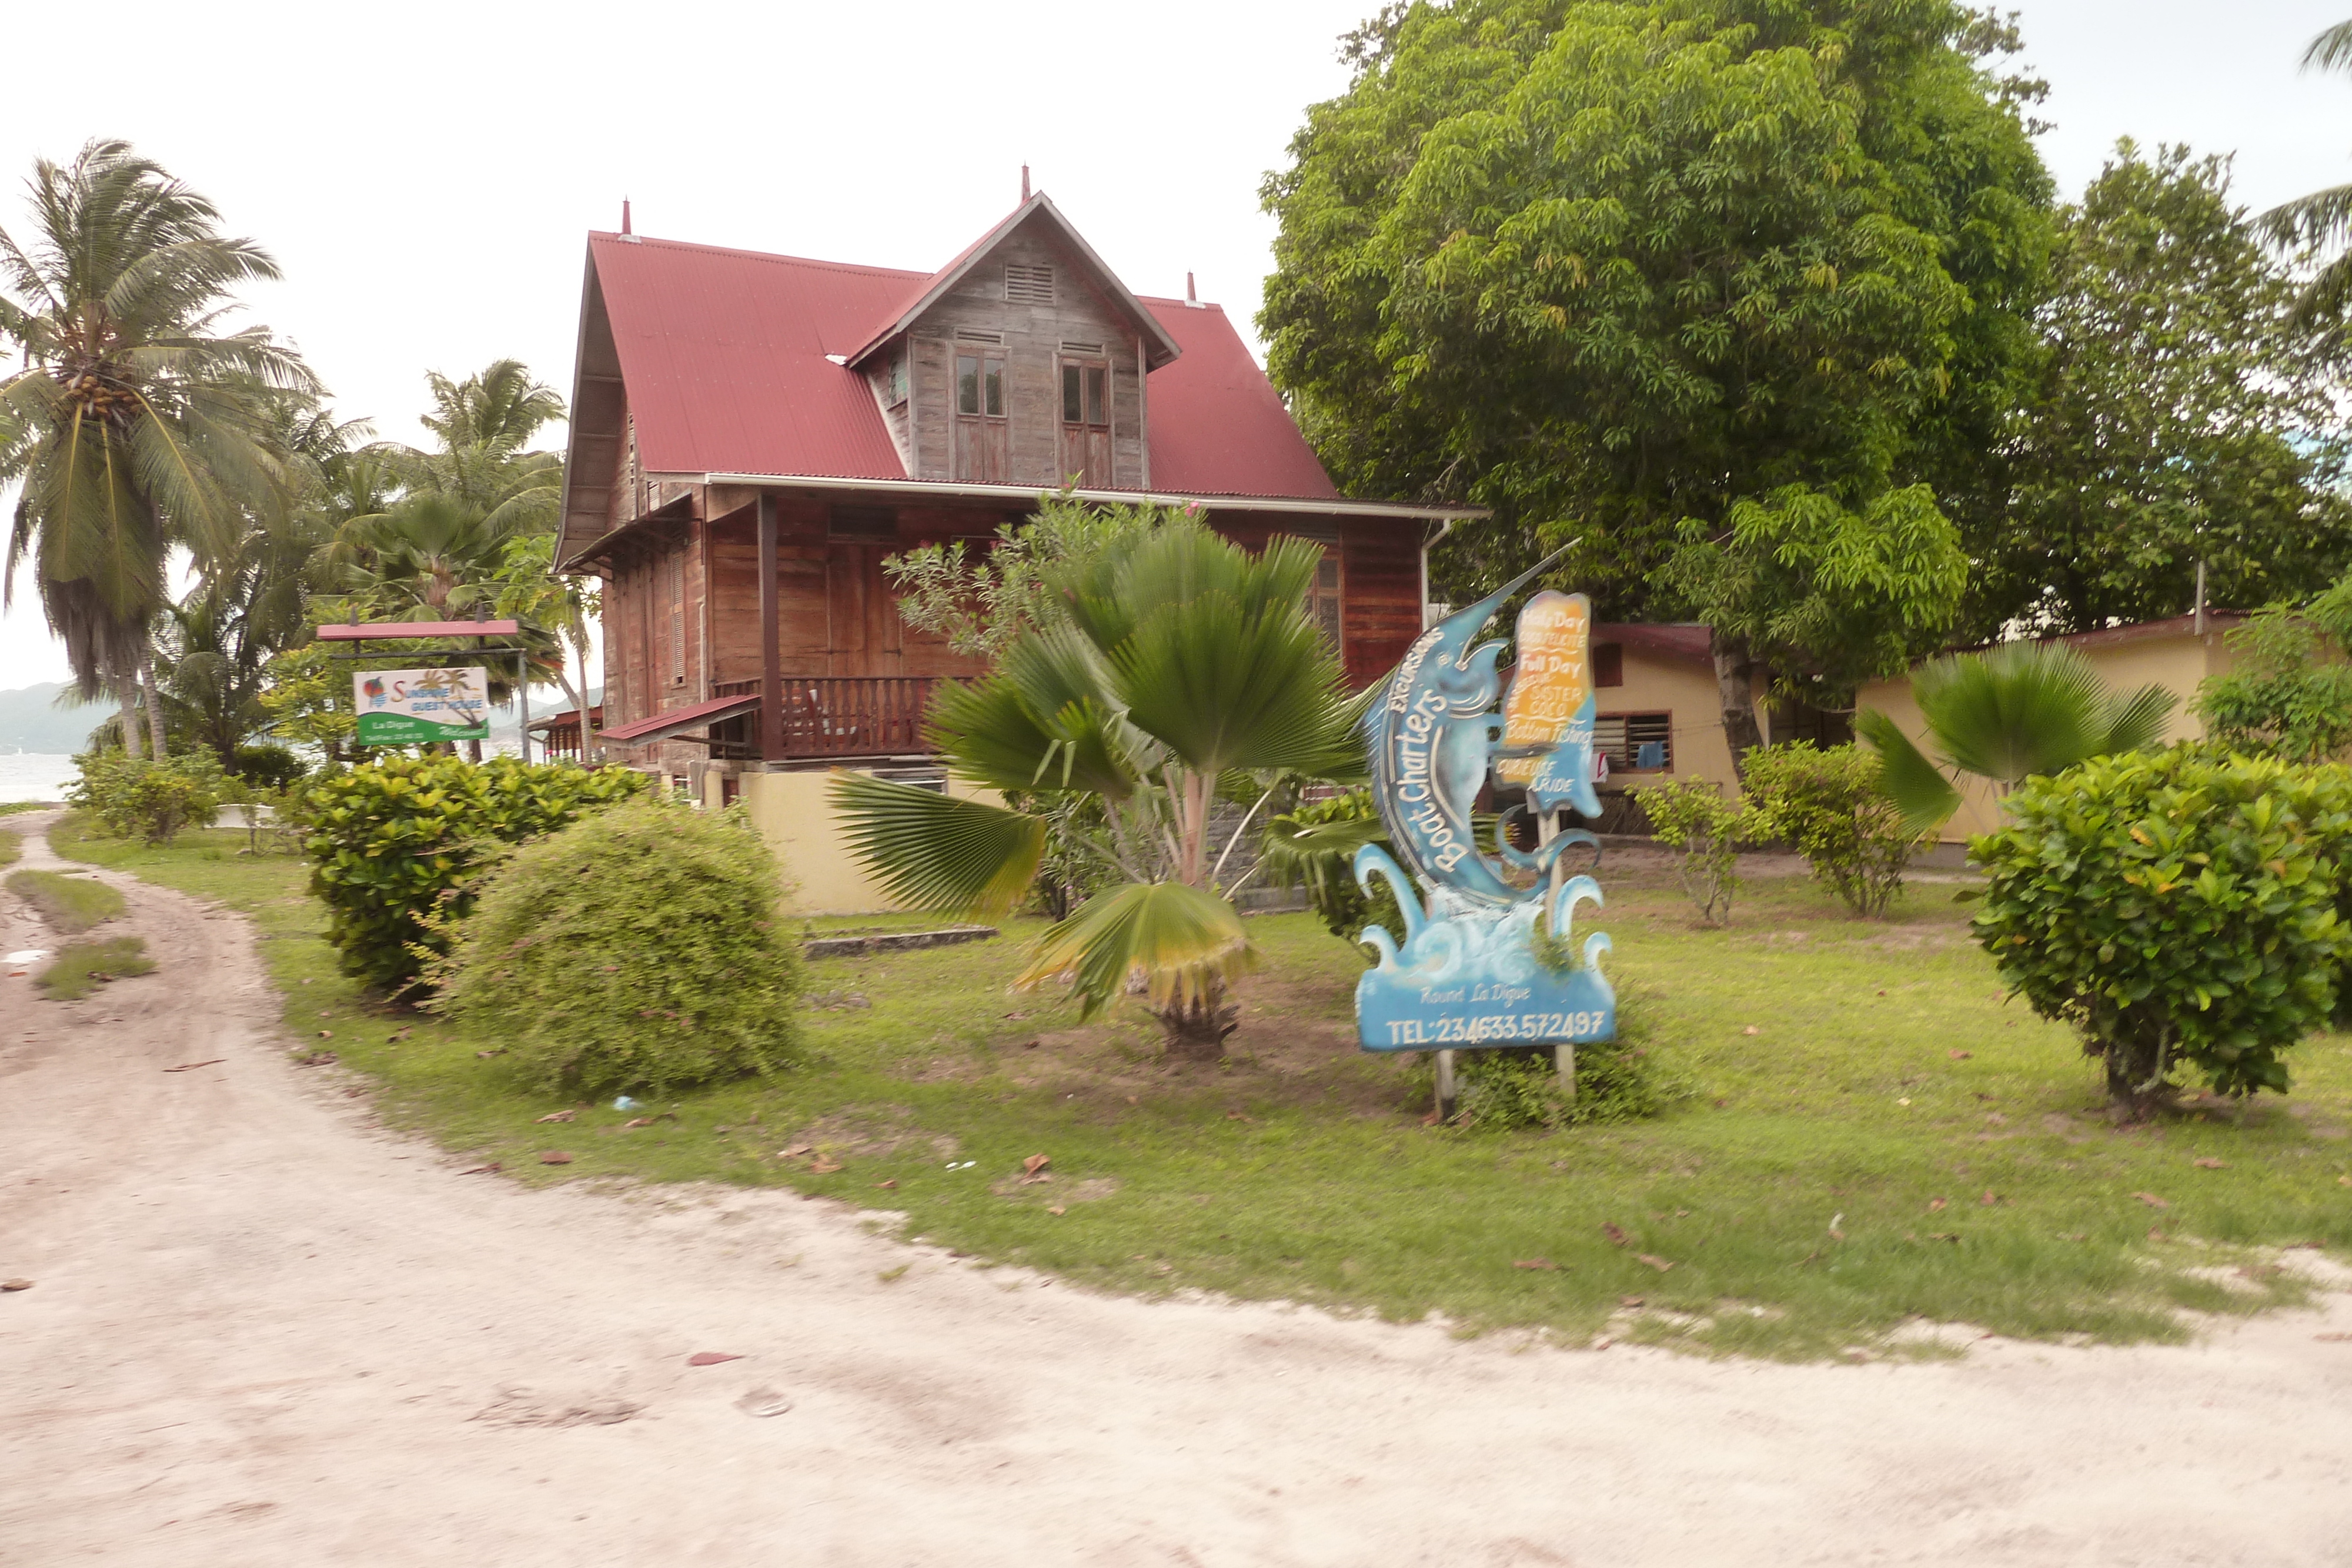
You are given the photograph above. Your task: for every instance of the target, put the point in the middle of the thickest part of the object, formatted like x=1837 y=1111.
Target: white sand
x=264 y=1332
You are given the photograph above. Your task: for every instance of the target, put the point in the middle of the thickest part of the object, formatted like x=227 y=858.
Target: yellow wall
x=2176 y=661
x=1685 y=688
x=794 y=812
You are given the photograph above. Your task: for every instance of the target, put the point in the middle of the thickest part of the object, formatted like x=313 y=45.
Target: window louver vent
x=974 y=335
x=1090 y=349
x=1029 y=285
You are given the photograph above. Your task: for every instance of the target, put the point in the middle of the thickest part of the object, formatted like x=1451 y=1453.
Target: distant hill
x=30 y=720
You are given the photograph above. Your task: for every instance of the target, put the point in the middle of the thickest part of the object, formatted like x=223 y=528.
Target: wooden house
x=753 y=435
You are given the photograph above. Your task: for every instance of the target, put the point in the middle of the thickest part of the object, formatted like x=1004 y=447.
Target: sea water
x=35 y=776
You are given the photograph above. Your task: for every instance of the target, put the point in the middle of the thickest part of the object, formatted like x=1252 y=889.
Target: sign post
x=1468 y=972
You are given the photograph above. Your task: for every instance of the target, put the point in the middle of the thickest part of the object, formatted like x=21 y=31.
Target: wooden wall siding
x=1380 y=603
x=1033 y=337
x=839 y=614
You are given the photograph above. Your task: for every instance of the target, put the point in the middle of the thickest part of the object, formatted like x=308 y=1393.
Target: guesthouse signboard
x=404 y=708
x=1469 y=970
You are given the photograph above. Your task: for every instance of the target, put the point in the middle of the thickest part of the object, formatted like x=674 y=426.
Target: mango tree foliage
x=1606 y=267
x=2182 y=411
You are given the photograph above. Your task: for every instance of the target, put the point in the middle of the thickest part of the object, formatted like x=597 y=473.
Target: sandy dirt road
x=265 y=1331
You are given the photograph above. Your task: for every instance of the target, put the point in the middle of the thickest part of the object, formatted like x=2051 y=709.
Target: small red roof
x=372 y=630
x=724 y=353
x=670 y=720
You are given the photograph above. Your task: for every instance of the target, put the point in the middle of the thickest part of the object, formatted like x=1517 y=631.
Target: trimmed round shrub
x=1826 y=802
x=2181 y=910
x=641 y=949
x=135 y=798
x=395 y=845
x=269 y=767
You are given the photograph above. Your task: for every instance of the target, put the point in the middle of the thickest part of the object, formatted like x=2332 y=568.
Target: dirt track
x=263 y=1332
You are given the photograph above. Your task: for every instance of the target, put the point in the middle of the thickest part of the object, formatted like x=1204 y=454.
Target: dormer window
x=980 y=384
x=1086 y=398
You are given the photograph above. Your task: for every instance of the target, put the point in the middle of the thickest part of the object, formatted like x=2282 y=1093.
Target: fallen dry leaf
x=494 y=1051
x=1430 y=1120
x=893 y=1182
x=1237 y=1116
x=1660 y=1264
x=1057 y=1209
x=1943 y=1236
x=1035 y=1164
x=2328 y=1338
x=16 y=1284
x=1133 y=1099
x=192 y=1066
x=2156 y=1233
x=1988 y=1199
x=2151 y=1199
x=1935 y=1205
x=1961 y=1055
x=559 y=1116
x=1751 y=1029
x=1533 y=1263
x=555 y=1157
x=316 y=1059
x=710 y=1358
x=326 y=1034
x=1631 y=1301
x=1615 y=1236
x=824 y=1167
x=2212 y=1165
x=797 y=1150
x=637 y=1122
x=490 y=1169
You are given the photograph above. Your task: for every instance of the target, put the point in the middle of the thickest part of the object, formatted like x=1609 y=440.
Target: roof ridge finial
x=1024 y=182
x=624 y=215
x=1191 y=294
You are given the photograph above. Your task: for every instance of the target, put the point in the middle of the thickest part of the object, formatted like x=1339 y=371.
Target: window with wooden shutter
x=1636 y=742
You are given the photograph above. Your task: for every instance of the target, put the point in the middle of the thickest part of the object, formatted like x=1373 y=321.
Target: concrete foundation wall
x=794 y=812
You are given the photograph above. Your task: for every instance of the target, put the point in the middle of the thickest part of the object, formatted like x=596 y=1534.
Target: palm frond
x=1918 y=789
x=1180 y=941
x=2332 y=50
x=2020 y=709
x=937 y=852
x=2136 y=723
x=1225 y=687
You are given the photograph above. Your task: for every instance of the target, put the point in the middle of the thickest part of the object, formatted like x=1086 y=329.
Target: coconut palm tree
x=1171 y=669
x=137 y=422
x=2004 y=716
x=2323 y=219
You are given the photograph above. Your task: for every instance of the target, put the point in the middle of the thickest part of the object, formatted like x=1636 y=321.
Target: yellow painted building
x=2177 y=654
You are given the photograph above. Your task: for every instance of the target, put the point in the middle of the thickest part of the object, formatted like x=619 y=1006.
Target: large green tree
x=2183 y=411
x=138 y=422
x=1611 y=268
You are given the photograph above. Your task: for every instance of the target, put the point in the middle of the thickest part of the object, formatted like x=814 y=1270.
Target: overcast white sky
x=425 y=171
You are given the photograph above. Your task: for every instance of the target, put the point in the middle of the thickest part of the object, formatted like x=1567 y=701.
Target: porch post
x=771 y=631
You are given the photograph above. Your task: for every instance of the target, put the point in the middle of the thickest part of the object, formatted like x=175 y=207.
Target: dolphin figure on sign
x=1431 y=739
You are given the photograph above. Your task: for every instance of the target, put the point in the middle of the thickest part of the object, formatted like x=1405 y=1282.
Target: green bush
x=1691 y=815
x=397 y=841
x=641 y=949
x=2184 y=908
x=134 y=797
x=1826 y=802
x=1616 y=1080
x=269 y=767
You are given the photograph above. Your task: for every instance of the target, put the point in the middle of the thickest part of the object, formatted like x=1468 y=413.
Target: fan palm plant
x=2022 y=709
x=137 y=424
x=1167 y=668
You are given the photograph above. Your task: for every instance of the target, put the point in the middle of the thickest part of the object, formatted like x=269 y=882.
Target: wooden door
x=1086 y=423
x=983 y=441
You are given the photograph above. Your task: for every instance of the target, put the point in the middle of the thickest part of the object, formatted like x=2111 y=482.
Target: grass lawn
x=67 y=903
x=1871 y=1140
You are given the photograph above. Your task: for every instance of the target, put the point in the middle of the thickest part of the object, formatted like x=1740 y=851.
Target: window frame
x=981 y=356
x=1629 y=747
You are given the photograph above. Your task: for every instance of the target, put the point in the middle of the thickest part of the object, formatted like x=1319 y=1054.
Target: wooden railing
x=833 y=715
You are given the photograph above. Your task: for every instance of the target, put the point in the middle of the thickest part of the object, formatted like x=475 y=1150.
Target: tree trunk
x=579 y=705
x=1197 y=1033
x=473 y=751
x=1735 y=684
x=155 y=706
x=126 y=692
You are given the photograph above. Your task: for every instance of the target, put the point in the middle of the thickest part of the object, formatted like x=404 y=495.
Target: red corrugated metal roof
x=723 y=352
x=1672 y=638
x=370 y=631
x=670 y=720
